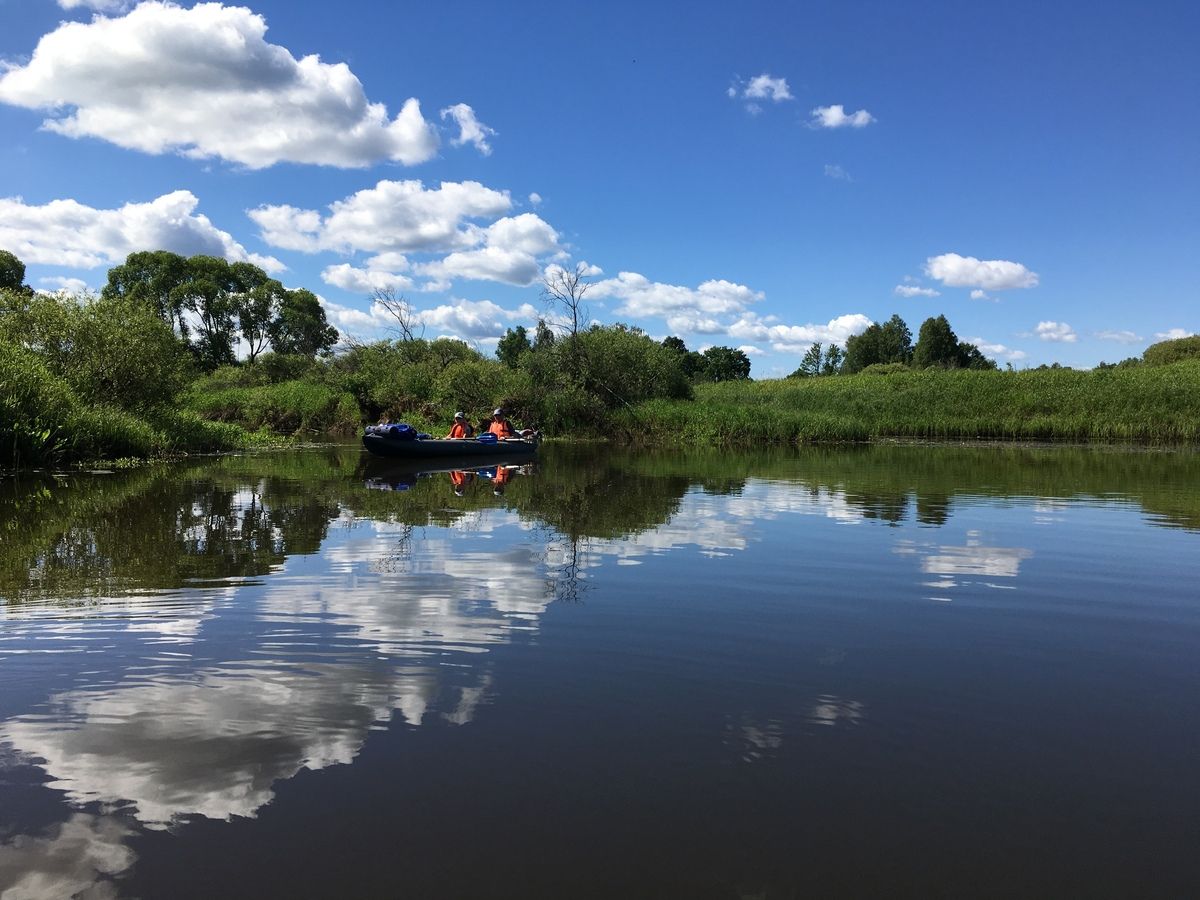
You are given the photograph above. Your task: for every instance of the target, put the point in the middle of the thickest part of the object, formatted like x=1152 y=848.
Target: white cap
x=460 y=415
x=497 y=411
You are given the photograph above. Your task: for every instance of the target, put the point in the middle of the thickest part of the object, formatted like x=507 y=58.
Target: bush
x=885 y=369
x=1166 y=352
x=34 y=407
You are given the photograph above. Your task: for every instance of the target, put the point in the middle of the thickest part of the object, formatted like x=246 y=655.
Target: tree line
x=889 y=344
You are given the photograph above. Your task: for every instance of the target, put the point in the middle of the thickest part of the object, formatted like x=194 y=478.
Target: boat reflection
x=465 y=475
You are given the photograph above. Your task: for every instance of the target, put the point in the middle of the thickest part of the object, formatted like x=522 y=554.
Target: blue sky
x=759 y=175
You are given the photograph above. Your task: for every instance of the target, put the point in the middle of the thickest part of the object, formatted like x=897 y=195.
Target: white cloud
x=751 y=350
x=641 y=297
x=836 y=117
x=394 y=216
x=470 y=129
x=364 y=280
x=59 y=285
x=98 y=5
x=476 y=320
x=67 y=233
x=953 y=270
x=911 y=290
x=797 y=338
x=1121 y=337
x=1173 y=334
x=535 y=198
x=1059 y=332
x=694 y=324
x=990 y=348
x=204 y=82
x=510 y=253
x=978 y=294
x=765 y=87
x=837 y=173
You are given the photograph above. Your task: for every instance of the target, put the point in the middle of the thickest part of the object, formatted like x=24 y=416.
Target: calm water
x=927 y=672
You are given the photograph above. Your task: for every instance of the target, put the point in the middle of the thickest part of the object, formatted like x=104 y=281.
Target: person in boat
x=500 y=426
x=500 y=480
x=460 y=481
x=461 y=428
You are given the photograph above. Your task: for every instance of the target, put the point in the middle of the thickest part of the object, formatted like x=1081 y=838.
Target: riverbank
x=1157 y=405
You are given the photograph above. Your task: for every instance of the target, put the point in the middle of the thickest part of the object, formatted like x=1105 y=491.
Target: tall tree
x=12 y=272
x=834 y=360
x=153 y=277
x=725 y=364
x=543 y=337
x=810 y=365
x=513 y=346
x=895 y=341
x=301 y=325
x=937 y=345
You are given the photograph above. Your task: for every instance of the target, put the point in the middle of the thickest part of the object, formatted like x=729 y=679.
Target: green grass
x=1143 y=405
x=289 y=407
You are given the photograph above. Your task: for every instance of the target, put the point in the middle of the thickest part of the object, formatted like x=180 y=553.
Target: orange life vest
x=459 y=430
x=501 y=429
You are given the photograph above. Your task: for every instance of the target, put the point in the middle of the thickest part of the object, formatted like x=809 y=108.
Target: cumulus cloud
x=510 y=251
x=68 y=233
x=751 y=350
x=765 y=87
x=470 y=129
x=59 y=285
x=641 y=297
x=365 y=280
x=912 y=290
x=1059 y=332
x=836 y=117
x=1173 y=334
x=204 y=82
x=762 y=87
x=393 y=216
x=475 y=321
x=953 y=270
x=535 y=199
x=98 y=5
x=991 y=348
x=837 y=173
x=1121 y=337
x=797 y=338
x=978 y=294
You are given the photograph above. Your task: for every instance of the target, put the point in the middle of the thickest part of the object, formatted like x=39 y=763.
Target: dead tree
x=563 y=290
x=397 y=306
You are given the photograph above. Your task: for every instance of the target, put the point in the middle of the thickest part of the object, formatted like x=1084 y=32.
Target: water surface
x=901 y=671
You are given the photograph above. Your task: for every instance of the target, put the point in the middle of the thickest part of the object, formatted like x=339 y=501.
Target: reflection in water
x=181 y=641
x=76 y=859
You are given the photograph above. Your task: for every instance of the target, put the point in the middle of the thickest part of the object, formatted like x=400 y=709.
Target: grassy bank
x=1142 y=405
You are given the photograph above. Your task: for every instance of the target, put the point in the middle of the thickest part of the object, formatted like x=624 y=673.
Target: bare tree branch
x=398 y=307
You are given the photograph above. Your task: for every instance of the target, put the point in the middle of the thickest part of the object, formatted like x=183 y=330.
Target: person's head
x=460 y=417
x=497 y=413
x=459 y=492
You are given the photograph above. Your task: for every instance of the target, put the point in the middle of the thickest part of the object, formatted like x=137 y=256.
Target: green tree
x=725 y=364
x=543 y=337
x=971 y=357
x=890 y=342
x=1166 y=352
x=834 y=360
x=12 y=272
x=895 y=341
x=810 y=365
x=513 y=346
x=691 y=363
x=937 y=345
x=153 y=277
x=301 y=325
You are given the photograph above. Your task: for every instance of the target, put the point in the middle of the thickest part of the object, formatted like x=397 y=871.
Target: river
x=867 y=671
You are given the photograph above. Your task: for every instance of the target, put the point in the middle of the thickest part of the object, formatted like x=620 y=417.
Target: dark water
x=926 y=672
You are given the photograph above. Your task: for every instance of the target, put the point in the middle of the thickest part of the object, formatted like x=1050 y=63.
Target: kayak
x=437 y=448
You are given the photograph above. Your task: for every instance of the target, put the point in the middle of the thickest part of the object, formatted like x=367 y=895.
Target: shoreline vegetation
x=148 y=369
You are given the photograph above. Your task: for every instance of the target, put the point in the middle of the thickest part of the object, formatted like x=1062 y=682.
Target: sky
x=755 y=175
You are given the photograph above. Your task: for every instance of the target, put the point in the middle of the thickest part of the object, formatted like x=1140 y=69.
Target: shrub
x=1166 y=352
